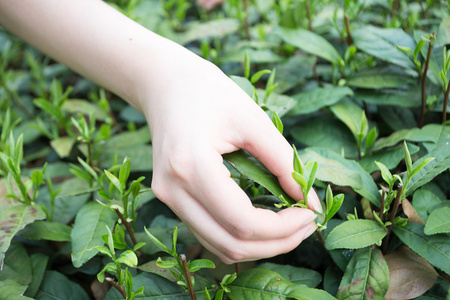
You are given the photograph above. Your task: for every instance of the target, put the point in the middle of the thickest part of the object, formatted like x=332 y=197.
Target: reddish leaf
x=411 y=212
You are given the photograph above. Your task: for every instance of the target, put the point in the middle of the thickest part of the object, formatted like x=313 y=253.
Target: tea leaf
x=309 y=294
x=435 y=249
x=84 y=107
x=439 y=164
x=260 y=284
x=343 y=172
x=124 y=172
x=424 y=201
x=17 y=265
x=411 y=213
x=355 y=234
x=198 y=264
x=389 y=157
x=382 y=43
x=250 y=167
x=15 y=219
x=366 y=276
x=410 y=275
x=294 y=274
x=309 y=42
x=57 y=286
x=90 y=224
x=381 y=77
x=399 y=97
x=438 y=221
x=315 y=99
x=44 y=230
x=128 y=257
x=214 y=28
x=12 y=290
x=39 y=265
x=115 y=181
x=350 y=114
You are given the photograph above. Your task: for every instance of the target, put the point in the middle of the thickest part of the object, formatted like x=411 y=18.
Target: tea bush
x=360 y=88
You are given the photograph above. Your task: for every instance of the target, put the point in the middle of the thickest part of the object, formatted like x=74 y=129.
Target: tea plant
x=359 y=88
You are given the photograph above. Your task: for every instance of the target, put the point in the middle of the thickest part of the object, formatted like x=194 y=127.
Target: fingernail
x=317 y=206
x=311 y=230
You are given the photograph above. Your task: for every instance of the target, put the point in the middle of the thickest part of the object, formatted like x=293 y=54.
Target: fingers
x=229 y=248
x=265 y=142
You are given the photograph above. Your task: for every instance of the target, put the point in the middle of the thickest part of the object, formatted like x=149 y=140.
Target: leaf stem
x=188 y=276
x=127 y=226
x=393 y=213
x=308 y=15
x=117 y=287
x=246 y=24
x=381 y=213
x=424 y=80
x=347 y=27
x=444 y=112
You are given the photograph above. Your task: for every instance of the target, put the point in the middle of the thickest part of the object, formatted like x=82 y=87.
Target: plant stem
x=237 y=267
x=394 y=8
x=118 y=287
x=308 y=15
x=381 y=213
x=347 y=27
x=188 y=276
x=127 y=226
x=424 y=81
x=393 y=213
x=444 y=112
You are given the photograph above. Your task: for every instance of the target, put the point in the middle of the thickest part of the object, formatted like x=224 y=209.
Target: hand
x=202 y=114
x=209 y=4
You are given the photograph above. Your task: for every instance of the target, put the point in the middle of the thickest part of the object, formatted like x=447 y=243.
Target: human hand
x=209 y=4
x=201 y=115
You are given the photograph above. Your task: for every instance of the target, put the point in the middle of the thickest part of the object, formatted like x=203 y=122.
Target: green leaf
x=124 y=172
x=75 y=106
x=315 y=99
x=299 y=179
x=350 y=114
x=17 y=265
x=343 y=172
x=90 y=224
x=157 y=242
x=293 y=274
x=382 y=43
x=258 y=75
x=390 y=158
x=260 y=284
x=44 y=230
x=12 y=290
x=380 y=78
x=309 y=294
x=250 y=167
x=15 y=219
x=438 y=221
x=309 y=42
x=244 y=84
x=408 y=160
x=128 y=257
x=63 y=146
x=355 y=234
x=366 y=276
x=115 y=181
x=435 y=248
x=327 y=133
x=385 y=173
x=215 y=28
x=428 y=133
x=439 y=164
x=423 y=202
x=39 y=265
x=198 y=264
x=57 y=286
x=277 y=122
x=399 y=97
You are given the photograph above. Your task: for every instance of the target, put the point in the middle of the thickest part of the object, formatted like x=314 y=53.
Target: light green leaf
x=382 y=43
x=282 y=104
x=438 y=221
x=12 y=290
x=214 y=28
x=398 y=97
x=366 y=276
x=355 y=234
x=157 y=242
x=428 y=133
x=294 y=274
x=435 y=248
x=90 y=224
x=44 y=230
x=424 y=201
x=260 y=284
x=244 y=84
x=309 y=42
x=350 y=114
x=343 y=172
x=74 y=106
x=115 y=181
x=250 y=167
x=128 y=257
x=13 y=220
x=439 y=164
x=380 y=78
x=198 y=264
x=309 y=294
x=390 y=158
x=39 y=265
x=63 y=146
x=315 y=99
x=17 y=265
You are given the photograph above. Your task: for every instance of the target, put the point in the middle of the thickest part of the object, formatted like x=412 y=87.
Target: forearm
x=96 y=41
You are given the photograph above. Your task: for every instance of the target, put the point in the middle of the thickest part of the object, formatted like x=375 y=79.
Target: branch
x=127 y=226
x=118 y=287
x=188 y=276
x=424 y=80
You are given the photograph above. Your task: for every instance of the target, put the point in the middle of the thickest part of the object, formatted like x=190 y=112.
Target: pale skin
x=195 y=114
